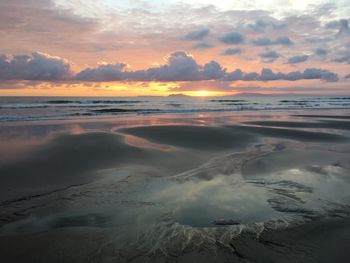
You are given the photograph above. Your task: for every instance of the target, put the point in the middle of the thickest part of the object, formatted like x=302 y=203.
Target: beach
x=174 y=131
x=243 y=186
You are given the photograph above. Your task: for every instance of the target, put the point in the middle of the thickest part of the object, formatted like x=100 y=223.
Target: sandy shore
x=325 y=241
x=130 y=192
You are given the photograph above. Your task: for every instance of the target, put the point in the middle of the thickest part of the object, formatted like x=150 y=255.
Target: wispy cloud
x=223 y=36
x=232 y=51
x=196 y=35
x=269 y=56
x=232 y=38
x=297 y=59
x=264 y=41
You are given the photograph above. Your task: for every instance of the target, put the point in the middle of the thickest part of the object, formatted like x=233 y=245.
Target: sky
x=155 y=47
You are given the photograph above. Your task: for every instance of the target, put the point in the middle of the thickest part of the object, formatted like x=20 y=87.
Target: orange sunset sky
x=200 y=48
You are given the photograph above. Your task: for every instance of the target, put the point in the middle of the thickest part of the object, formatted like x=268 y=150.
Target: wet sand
x=75 y=159
x=123 y=191
x=341 y=125
x=196 y=137
x=298 y=135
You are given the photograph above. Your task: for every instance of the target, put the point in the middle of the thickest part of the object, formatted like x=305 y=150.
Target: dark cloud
x=321 y=52
x=297 y=59
x=317 y=40
x=232 y=51
x=341 y=25
x=347 y=76
x=269 y=56
x=108 y=72
x=179 y=66
x=343 y=57
x=196 y=35
x=233 y=38
x=213 y=70
x=38 y=66
x=264 y=41
x=260 y=25
x=202 y=45
x=238 y=74
x=324 y=75
x=182 y=67
x=268 y=75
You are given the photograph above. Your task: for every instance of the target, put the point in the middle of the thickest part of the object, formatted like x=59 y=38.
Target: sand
x=341 y=125
x=106 y=192
x=298 y=135
x=323 y=241
x=75 y=159
x=197 y=137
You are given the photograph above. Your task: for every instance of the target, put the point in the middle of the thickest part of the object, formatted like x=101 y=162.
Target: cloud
x=104 y=72
x=238 y=74
x=297 y=59
x=341 y=25
x=269 y=56
x=232 y=51
x=260 y=25
x=264 y=41
x=343 y=57
x=203 y=45
x=321 y=52
x=344 y=29
x=196 y=35
x=324 y=75
x=268 y=75
x=96 y=31
x=44 y=23
x=38 y=66
x=213 y=70
x=233 y=38
x=347 y=76
x=179 y=66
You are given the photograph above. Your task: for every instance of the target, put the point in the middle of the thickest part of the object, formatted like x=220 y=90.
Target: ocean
x=55 y=108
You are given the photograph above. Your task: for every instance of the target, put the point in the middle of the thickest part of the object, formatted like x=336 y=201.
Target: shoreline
x=144 y=118
x=157 y=112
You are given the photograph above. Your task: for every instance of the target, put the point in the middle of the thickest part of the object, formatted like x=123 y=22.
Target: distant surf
x=43 y=108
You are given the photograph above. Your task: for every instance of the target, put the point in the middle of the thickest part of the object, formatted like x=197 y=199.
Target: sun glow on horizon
x=204 y=93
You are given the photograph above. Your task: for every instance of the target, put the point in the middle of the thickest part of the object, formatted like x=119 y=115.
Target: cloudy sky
x=155 y=47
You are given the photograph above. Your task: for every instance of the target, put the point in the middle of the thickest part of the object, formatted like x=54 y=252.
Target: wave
x=227 y=100
x=23 y=106
x=94 y=101
x=120 y=111
x=10 y=118
x=67 y=104
x=196 y=110
x=117 y=110
x=74 y=108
